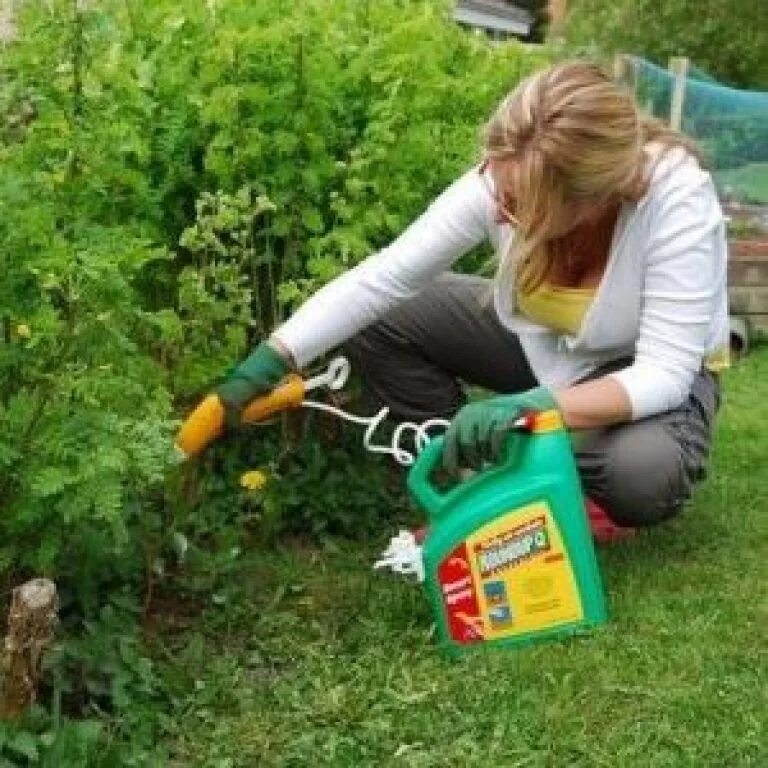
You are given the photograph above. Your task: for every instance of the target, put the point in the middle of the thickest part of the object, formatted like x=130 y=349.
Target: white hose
x=402 y=456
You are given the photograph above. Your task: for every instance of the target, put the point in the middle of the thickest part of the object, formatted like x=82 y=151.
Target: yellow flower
x=253 y=480
x=23 y=331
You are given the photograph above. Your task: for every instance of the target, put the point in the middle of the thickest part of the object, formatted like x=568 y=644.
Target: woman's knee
x=645 y=477
x=636 y=471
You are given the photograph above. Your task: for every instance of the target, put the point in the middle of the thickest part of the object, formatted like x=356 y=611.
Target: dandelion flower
x=23 y=331
x=253 y=480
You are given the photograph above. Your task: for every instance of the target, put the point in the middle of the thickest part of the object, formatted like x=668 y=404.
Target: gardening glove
x=479 y=430
x=257 y=375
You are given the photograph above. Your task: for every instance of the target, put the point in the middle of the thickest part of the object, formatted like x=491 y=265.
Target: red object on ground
x=604 y=530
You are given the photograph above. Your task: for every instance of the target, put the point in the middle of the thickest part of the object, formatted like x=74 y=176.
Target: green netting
x=730 y=125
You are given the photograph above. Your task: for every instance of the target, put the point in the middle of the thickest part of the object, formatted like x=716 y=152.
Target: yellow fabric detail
x=561 y=309
x=718 y=360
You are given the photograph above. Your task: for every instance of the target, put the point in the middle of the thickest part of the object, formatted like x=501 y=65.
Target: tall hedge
x=174 y=177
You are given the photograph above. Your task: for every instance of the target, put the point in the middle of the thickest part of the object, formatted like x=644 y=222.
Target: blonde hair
x=574 y=137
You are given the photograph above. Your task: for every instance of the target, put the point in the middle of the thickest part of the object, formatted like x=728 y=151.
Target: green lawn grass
x=308 y=658
x=750 y=182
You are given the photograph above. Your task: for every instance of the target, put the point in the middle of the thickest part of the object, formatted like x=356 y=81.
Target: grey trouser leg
x=642 y=472
x=415 y=358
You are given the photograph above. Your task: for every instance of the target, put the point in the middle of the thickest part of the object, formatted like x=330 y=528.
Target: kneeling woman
x=609 y=303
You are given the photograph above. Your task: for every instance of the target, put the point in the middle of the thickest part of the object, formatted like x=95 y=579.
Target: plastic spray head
x=403 y=555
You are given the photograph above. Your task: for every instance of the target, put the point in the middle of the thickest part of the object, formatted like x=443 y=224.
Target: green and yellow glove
x=258 y=374
x=479 y=430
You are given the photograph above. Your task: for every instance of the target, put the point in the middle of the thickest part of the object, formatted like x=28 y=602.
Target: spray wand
x=206 y=422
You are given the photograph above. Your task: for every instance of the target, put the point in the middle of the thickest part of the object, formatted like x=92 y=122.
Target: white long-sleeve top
x=662 y=299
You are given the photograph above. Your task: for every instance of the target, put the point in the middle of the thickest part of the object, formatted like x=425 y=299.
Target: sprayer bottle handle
x=435 y=501
x=420 y=478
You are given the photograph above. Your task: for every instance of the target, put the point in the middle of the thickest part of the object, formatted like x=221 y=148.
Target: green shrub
x=175 y=177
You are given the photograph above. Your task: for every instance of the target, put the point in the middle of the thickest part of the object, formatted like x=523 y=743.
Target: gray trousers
x=416 y=357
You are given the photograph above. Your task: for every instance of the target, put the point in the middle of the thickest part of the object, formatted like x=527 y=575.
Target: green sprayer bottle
x=508 y=558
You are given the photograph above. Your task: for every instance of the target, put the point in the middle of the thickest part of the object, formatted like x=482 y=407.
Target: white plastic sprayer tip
x=403 y=555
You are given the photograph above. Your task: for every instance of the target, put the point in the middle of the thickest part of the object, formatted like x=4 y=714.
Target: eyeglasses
x=504 y=208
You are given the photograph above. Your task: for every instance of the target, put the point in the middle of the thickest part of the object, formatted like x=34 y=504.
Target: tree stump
x=31 y=623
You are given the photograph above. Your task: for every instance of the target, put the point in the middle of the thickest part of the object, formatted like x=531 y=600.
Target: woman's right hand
x=257 y=375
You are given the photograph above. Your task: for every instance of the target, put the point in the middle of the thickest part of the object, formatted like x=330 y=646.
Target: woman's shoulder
x=670 y=167
x=675 y=176
x=681 y=199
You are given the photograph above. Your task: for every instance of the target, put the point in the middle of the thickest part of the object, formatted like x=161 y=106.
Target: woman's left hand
x=479 y=430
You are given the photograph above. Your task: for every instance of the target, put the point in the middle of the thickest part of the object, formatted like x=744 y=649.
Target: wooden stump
x=31 y=622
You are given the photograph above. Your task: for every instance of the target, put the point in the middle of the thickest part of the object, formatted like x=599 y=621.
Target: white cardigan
x=662 y=299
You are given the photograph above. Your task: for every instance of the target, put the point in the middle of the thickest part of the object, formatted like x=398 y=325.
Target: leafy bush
x=300 y=142
x=175 y=177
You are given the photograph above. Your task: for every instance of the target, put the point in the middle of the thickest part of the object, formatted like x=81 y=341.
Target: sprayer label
x=510 y=577
x=513 y=547
x=460 y=597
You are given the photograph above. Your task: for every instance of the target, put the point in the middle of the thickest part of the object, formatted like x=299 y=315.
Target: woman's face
x=501 y=181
